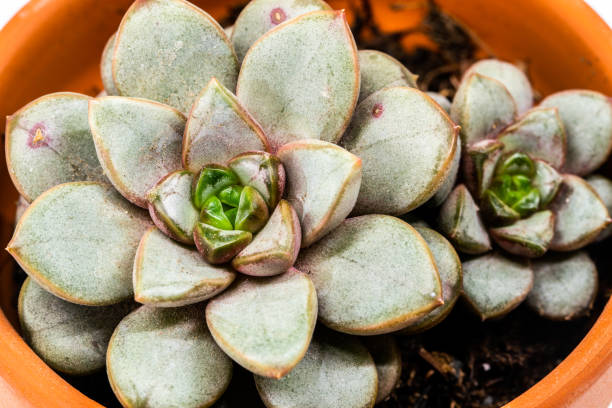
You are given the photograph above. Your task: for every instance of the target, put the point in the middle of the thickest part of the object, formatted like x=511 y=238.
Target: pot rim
x=577 y=379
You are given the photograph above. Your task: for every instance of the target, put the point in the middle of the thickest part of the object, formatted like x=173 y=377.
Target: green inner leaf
x=211 y=181
x=513 y=185
x=213 y=214
x=231 y=195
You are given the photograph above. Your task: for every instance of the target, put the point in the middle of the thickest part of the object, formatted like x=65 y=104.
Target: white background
x=9 y=7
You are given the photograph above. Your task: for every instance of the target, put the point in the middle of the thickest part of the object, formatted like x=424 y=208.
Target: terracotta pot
x=55 y=45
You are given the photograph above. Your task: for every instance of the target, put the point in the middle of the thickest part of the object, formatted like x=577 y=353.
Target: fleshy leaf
x=138 y=142
x=540 y=134
x=511 y=77
x=218 y=246
x=547 y=180
x=106 y=67
x=219 y=128
x=260 y=16
x=231 y=195
x=213 y=214
x=229 y=31
x=440 y=100
x=482 y=107
x=451 y=179
x=168 y=50
x=494 y=285
x=388 y=359
x=603 y=187
x=496 y=210
x=301 y=79
x=564 y=287
x=480 y=163
x=211 y=180
x=171 y=208
x=580 y=215
x=262 y=171
x=78 y=241
x=48 y=142
x=168 y=274
x=324 y=185
x=68 y=337
x=587 y=117
x=530 y=237
x=374 y=274
x=380 y=70
x=252 y=211
x=336 y=372
x=401 y=168
x=265 y=325
x=166 y=357
x=275 y=248
x=449 y=266
x=459 y=220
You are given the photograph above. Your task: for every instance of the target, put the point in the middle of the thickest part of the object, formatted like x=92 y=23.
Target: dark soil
x=463 y=362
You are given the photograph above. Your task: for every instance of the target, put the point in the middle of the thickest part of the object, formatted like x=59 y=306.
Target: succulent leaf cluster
x=523 y=190
x=236 y=195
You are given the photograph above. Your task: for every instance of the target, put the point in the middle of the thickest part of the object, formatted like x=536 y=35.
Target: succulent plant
x=522 y=190
x=243 y=188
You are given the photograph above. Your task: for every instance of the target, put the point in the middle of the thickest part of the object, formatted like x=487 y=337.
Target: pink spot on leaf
x=277 y=16
x=378 y=110
x=38 y=136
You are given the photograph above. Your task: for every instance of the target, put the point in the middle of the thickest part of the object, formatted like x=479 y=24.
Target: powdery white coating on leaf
x=68 y=337
x=540 y=134
x=106 y=67
x=482 y=107
x=449 y=182
x=229 y=31
x=48 y=142
x=323 y=184
x=388 y=359
x=138 y=142
x=336 y=372
x=440 y=100
x=449 y=266
x=168 y=274
x=374 y=274
x=407 y=144
x=166 y=357
x=78 y=241
x=529 y=237
x=168 y=50
x=547 y=180
x=494 y=285
x=260 y=16
x=275 y=248
x=460 y=221
x=380 y=70
x=564 y=287
x=301 y=79
x=218 y=128
x=171 y=207
x=513 y=78
x=262 y=171
x=580 y=215
x=603 y=187
x=265 y=325
x=587 y=117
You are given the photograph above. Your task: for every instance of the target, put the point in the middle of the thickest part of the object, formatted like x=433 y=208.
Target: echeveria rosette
x=234 y=187
x=519 y=191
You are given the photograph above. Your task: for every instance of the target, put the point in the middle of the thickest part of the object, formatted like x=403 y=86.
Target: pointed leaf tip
x=297 y=89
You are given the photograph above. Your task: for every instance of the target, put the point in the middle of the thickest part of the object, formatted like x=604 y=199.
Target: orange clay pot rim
x=572 y=377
